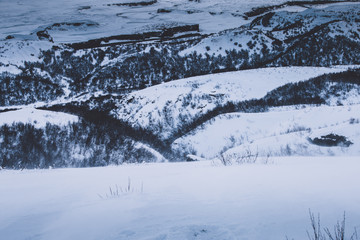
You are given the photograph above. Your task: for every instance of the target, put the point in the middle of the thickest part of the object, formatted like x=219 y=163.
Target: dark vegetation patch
x=133 y=4
x=313 y=91
x=72 y=24
x=84 y=8
x=8 y=37
x=216 y=13
x=331 y=140
x=82 y=144
x=8 y=110
x=27 y=87
x=96 y=140
x=101 y=117
x=164 y=10
x=330 y=51
x=192 y=11
x=161 y=34
x=260 y=10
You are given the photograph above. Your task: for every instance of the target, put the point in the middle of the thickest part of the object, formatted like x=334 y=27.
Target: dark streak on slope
x=165 y=34
x=260 y=10
x=133 y=4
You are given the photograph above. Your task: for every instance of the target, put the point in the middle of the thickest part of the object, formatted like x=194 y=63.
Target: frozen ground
x=180 y=201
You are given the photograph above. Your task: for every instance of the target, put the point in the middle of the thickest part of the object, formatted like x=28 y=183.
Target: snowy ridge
x=165 y=107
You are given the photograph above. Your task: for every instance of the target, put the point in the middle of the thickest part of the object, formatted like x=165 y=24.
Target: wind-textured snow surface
x=180 y=201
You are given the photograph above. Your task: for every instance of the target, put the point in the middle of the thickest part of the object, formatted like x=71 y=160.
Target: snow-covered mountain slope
x=38 y=118
x=277 y=31
x=181 y=201
x=106 y=60
x=286 y=34
x=15 y=52
x=165 y=108
x=280 y=131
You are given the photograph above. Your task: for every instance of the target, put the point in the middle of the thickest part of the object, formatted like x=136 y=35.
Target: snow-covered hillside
x=281 y=131
x=283 y=27
x=164 y=108
x=180 y=201
x=38 y=118
x=51 y=50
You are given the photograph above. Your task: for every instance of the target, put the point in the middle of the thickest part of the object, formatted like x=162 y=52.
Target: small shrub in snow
x=286 y=150
x=116 y=191
x=354 y=121
x=247 y=157
x=297 y=128
x=319 y=233
x=225 y=160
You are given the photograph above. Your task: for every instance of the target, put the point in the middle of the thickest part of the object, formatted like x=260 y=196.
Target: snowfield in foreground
x=178 y=201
